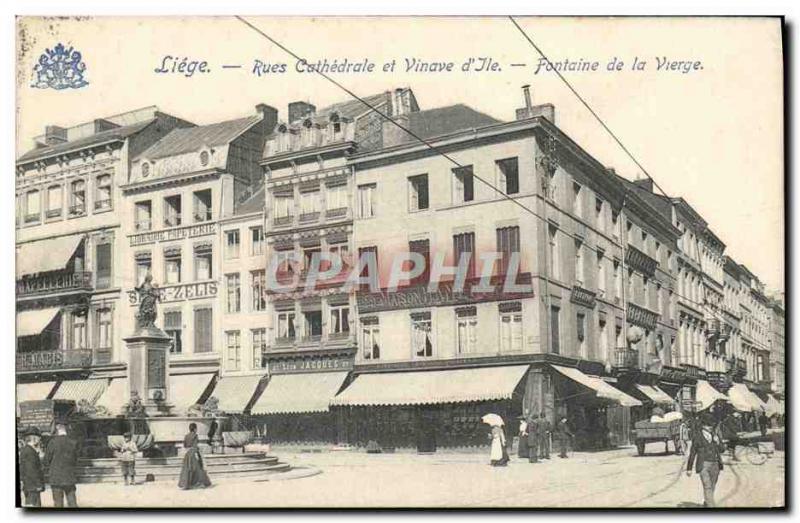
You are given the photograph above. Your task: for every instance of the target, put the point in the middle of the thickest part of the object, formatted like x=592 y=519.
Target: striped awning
x=744 y=400
x=115 y=396
x=185 y=390
x=235 y=392
x=33 y=322
x=706 y=395
x=601 y=388
x=46 y=255
x=433 y=387
x=655 y=394
x=299 y=393
x=81 y=390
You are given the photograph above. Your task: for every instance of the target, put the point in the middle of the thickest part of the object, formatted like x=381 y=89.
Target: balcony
x=143 y=225
x=336 y=213
x=309 y=217
x=583 y=296
x=54 y=360
x=32 y=218
x=51 y=283
x=693 y=371
x=625 y=358
x=77 y=209
x=642 y=317
x=640 y=261
x=282 y=221
x=52 y=213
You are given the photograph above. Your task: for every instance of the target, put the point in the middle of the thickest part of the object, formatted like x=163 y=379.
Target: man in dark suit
x=564 y=435
x=706 y=459
x=533 y=439
x=30 y=468
x=62 y=458
x=544 y=436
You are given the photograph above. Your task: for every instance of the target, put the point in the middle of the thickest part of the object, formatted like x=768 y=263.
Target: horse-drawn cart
x=649 y=432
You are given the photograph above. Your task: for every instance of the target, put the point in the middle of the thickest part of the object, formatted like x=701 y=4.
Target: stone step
x=209 y=458
x=210 y=467
x=170 y=475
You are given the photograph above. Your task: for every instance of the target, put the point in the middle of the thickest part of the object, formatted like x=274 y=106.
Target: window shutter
x=103 y=265
x=203 y=329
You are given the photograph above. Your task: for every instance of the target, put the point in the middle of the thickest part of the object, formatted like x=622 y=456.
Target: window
x=259 y=343
x=143 y=267
x=256 y=241
x=365 y=254
x=336 y=198
x=233 y=349
x=258 y=287
x=78 y=331
x=580 y=333
x=579 y=273
x=103 y=265
x=618 y=335
x=463 y=184
x=284 y=206
x=464 y=246
x=598 y=213
x=173 y=326
x=309 y=204
x=286 y=326
x=629 y=226
x=466 y=330
x=313 y=325
x=370 y=338
x=658 y=252
x=509 y=175
x=202 y=206
x=423 y=248
x=603 y=334
x=172 y=211
x=366 y=200
x=234 y=290
x=172 y=265
x=555 y=329
x=77 y=198
x=232 y=244
x=614 y=223
x=204 y=158
x=555 y=260
x=203 y=257
x=143 y=215
x=577 y=207
x=418 y=192
x=311 y=258
x=421 y=334
x=510 y=327
x=617 y=280
x=659 y=301
x=340 y=320
x=601 y=273
x=631 y=289
x=102 y=193
x=644 y=243
x=104 y=333
x=646 y=292
x=507 y=246
x=203 y=330
x=55 y=201
x=33 y=207
x=342 y=251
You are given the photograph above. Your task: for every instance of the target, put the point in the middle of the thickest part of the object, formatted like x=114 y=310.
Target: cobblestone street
x=616 y=478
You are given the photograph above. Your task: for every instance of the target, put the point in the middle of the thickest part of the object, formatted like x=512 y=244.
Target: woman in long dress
x=499 y=454
x=193 y=473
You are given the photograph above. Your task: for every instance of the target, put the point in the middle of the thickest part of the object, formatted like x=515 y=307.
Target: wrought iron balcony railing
x=625 y=358
x=640 y=261
x=583 y=296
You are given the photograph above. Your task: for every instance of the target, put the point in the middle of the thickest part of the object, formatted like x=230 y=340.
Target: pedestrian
x=193 y=473
x=763 y=422
x=683 y=437
x=522 y=449
x=61 y=458
x=706 y=459
x=533 y=439
x=30 y=467
x=499 y=455
x=545 y=429
x=127 y=459
x=564 y=435
x=729 y=429
x=212 y=431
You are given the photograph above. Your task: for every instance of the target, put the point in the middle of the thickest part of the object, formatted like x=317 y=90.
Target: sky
x=713 y=135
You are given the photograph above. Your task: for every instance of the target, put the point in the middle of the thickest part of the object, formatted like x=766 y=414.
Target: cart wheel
x=640 y=447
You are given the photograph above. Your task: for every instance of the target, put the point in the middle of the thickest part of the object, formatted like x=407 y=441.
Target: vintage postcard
x=430 y=262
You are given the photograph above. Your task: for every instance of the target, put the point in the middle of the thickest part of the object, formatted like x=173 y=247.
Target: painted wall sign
x=310 y=364
x=179 y=233
x=182 y=292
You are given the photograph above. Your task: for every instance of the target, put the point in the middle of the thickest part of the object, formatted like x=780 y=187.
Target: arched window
x=102 y=196
x=77 y=198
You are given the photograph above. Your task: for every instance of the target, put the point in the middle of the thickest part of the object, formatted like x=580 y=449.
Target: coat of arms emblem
x=60 y=68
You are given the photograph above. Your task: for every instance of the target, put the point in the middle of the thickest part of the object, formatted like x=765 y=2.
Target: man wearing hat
x=62 y=458
x=533 y=439
x=30 y=468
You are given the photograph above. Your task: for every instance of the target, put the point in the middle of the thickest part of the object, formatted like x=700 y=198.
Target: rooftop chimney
x=526 y=92
x=269 y=117
x=54 y=135
x=546 y=111
x=300 y=110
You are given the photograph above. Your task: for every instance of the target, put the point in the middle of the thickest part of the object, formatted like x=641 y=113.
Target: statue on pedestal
x=149 y=295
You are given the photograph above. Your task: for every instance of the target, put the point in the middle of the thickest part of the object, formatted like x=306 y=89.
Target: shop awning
x=115 y=396
x=758 y=403
x=81 y=390
x=185 y=390
x=431 y=387
x=46 y=255
x=299 y=393
x=601 y=388
x=742 y=399
x=32 y=323
x=706 y=395
x=235 y=392
x=655 y=394
x=33 y=391
x=773 y=406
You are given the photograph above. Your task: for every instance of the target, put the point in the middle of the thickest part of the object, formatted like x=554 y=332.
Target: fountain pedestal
x=148 y=369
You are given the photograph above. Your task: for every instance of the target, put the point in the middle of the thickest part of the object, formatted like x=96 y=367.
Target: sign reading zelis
x=182 y=292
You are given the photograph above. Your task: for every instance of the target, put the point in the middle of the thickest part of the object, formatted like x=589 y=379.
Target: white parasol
x=493 y=420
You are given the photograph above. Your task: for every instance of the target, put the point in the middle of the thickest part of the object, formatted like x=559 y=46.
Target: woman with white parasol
x=499 y=455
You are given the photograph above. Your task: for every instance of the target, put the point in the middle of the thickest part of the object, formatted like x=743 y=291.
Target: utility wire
x=431 y=146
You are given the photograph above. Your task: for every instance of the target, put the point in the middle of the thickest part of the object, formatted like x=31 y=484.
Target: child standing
x=127 y=459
